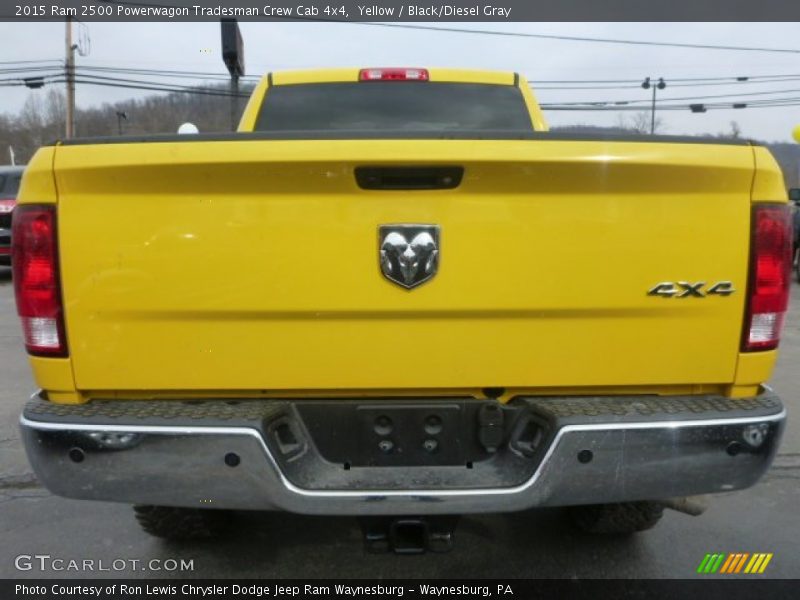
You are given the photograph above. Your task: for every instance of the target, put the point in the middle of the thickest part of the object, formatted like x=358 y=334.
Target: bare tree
x=641 y=122
x=41 y=119
x=32 y=114
x=55 y=109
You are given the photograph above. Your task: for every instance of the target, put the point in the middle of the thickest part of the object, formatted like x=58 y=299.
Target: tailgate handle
x=409 y=178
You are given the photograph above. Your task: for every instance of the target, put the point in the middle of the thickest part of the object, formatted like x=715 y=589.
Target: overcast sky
x=275 y=46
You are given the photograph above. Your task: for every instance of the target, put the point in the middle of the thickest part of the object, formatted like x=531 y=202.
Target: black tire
x=175 y=523
x=624 y=518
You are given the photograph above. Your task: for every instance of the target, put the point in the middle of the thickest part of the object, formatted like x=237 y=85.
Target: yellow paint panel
x=471 y=76
x=253 y=107
x=537 y=116
x=768 y=184
x=253 y=265
x=351 y=74
x=55 y=376
x=754 y=368
x=38 y=184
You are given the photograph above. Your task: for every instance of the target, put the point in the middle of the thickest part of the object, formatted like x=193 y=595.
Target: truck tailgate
x=254 y=265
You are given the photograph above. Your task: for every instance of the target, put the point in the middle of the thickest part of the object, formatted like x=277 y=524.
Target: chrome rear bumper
x=219 y=454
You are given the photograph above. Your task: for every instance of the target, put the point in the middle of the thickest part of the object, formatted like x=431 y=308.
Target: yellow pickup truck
x=394 y=294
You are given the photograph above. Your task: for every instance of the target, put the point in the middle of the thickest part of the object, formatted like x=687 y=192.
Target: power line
x=162 y=73
x=732 y=79
x=724 y=83
x=729 y=78
x=57 y=78
x=89 y=72
x=22 y=77
x=767 y=103
x=540 y=84
x=22 y=80
x=736 y=78
x=86 y=76
x=736 y=106
x=125 y=80
x=160 y=89
x=28 y=62
x=30 y=69
x=698 y=82
x=571 y=38
x=732 y=96
x=762 y=103
x=154 y=88
x=641 y=100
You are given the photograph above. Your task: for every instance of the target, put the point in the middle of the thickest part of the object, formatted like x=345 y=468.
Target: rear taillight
x=770 y=273
x=393 y=75
x=34 y=260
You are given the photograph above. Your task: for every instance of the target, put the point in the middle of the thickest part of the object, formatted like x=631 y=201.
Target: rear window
x=393 y=106
x=9 y=185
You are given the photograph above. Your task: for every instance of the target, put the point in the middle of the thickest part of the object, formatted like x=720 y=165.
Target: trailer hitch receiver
x=408 y=535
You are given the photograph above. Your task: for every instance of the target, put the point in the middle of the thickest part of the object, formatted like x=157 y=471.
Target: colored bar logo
x=737 y=562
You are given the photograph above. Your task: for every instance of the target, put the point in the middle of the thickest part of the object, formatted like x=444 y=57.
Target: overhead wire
x=89 y=74
x=647 y=100
x=495 y=32
x=203 y=92
x=572 y=38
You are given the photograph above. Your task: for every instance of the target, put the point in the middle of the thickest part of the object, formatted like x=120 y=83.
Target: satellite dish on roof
x=188 y=128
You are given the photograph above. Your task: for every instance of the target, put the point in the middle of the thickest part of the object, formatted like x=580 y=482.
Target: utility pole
x=656 y=86
x=69 y=67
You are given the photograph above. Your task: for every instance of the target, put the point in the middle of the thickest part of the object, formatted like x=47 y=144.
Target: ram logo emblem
x=689 y=289
x=409 y=254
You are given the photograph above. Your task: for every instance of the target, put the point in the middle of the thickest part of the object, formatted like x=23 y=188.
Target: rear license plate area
x=392 y=435
x=379 y=434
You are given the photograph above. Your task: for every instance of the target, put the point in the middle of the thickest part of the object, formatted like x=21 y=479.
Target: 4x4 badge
x=409 y=254
x=688 y=289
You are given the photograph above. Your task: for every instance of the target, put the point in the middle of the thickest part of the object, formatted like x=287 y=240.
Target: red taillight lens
x=393 y=75
x=34 y=260
x=770 y=274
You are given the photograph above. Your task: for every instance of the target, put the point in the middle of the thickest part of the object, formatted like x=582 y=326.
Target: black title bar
x=403 y=11
x=474 y=589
